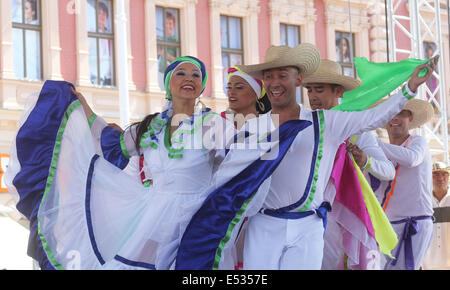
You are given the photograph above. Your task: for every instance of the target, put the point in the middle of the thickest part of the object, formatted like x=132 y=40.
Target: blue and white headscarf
x=178 y=61
x=150 y=138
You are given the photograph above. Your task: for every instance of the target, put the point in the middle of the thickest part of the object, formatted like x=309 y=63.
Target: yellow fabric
x=384 y=233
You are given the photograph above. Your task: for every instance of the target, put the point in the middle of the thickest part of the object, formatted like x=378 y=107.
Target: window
x=26 y=33
x=231 y=35
x=101 y=42
x=290 y=35
x=168 y=39
x=345 y=51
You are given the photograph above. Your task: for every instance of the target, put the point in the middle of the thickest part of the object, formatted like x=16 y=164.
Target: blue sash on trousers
x=411 y=228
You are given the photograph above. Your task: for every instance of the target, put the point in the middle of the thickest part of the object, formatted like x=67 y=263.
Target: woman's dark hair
x=141 y=128
x=33 y=5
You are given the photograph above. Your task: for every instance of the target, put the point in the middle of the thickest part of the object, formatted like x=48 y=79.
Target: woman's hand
x=87 y=110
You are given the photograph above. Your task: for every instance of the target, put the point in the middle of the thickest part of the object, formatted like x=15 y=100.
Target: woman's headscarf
x=255 y=84
x=150 y=138
x=178 y=61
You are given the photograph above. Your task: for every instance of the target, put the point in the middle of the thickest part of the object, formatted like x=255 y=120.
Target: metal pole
x=391 y=26
x=122 y=63
x=387 y=28
x=448 y=19
x=442 y=85
x=445 y=94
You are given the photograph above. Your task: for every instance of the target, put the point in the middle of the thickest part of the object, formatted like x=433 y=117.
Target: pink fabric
x=348 y=189
x=362 y=253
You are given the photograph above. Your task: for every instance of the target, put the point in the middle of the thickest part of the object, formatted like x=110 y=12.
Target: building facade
x=76 y=41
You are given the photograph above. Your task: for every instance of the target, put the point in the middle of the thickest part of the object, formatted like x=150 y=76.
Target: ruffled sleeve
x=115 y=146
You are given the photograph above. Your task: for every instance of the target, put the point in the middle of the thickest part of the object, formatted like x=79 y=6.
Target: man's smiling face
x=280 y=84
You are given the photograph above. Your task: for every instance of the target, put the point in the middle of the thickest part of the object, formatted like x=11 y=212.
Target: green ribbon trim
x=369 y=163
x=92 y=119
x=51 y=177
x=175 y=153
x=319 y=158
x=264 y=136
x=406 y=94
x=124 y=147
x=227 y=236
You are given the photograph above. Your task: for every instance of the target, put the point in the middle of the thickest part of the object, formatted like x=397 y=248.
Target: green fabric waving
x=378 y=80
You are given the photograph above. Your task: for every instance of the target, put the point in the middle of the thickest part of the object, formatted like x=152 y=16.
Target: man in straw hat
x=438 y=255
x=325 y=87
x=407 y=199
x=287 y=233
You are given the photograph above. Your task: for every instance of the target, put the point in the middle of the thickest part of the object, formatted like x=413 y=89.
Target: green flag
x=378 y=80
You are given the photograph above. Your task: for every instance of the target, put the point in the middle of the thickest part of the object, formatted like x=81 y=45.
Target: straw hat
x=421 y=110
x=305 y=57
x=330 y=72
x=441 y=166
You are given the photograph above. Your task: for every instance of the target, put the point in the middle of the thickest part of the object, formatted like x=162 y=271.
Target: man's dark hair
x=334 y=87
x=102 y=6
x=169 y=15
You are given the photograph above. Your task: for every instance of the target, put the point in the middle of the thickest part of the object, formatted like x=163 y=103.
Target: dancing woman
x=247 y=97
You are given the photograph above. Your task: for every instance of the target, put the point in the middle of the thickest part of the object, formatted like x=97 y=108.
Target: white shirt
x=413 y=190
x=290 y=178
x=438 y=256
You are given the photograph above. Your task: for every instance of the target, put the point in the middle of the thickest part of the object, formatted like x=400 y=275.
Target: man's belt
x=411 y=228
x=322 y=211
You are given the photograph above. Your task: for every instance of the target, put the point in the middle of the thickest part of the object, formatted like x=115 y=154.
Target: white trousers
x=420 y=243
x=281 y=244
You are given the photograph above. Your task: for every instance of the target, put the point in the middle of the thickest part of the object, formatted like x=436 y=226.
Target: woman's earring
x=261 y=105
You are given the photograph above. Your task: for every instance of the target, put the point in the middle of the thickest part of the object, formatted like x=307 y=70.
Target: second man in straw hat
x=288 y=231
x=407 y=200
x=325 y=87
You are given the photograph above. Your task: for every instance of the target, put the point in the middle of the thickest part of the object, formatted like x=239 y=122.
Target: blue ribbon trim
x=88 y=209
x=112 y=151
x=210 y=223
x=374 y=182
x=134 y=264
x=35 y=143
x=311 y=171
